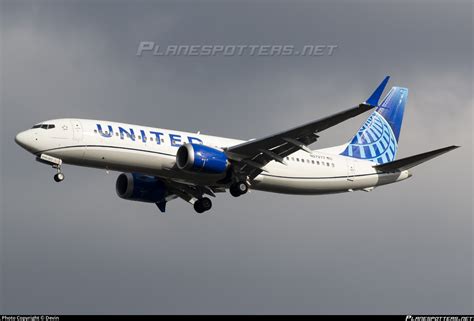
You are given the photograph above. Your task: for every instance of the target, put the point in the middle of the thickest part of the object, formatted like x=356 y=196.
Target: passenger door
x=76 y=129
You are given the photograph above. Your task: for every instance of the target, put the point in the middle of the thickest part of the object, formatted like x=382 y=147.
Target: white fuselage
x=152 y=151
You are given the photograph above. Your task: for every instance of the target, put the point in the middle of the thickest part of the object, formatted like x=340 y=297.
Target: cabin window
x=95 y=131
x=327 y=164
x=151 y=139
x=312 y=161
x=317 y=162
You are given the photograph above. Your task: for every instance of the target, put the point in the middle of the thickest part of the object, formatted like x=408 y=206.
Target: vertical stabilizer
x=377 y=139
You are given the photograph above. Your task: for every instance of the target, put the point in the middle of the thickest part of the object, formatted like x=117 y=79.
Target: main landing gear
x=238 y=188
x=202 y=205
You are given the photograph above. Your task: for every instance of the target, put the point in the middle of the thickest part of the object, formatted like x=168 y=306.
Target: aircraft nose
x=25 y=140
x=21 y=139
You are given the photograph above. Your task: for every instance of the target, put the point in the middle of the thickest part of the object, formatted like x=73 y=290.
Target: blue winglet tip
x=375 y=97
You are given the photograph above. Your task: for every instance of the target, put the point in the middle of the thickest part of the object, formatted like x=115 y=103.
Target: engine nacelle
x=201 y=158
x=142 y=188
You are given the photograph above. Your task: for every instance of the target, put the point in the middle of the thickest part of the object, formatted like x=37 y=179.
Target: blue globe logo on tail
x=377 y=139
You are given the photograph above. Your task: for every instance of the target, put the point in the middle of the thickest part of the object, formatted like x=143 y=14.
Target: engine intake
x=201 y=158
x=138 y=187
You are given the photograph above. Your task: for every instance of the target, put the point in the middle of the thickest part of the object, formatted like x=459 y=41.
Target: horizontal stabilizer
x=412 y=161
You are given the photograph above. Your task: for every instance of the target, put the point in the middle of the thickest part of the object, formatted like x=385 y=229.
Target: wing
x=250 y=157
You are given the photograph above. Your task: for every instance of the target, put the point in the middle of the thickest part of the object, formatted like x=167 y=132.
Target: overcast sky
x=76 y=247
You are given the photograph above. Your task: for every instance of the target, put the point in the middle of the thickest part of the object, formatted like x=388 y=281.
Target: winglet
x=375 y=97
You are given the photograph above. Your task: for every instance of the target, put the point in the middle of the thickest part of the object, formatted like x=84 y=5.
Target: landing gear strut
x=238 y=189
x=202 y=205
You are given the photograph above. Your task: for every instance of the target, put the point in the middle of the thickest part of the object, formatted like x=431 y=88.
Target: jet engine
x=201 y=158
x=142 y=188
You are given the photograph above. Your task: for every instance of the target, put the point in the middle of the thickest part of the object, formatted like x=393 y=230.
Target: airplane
x=160 y=165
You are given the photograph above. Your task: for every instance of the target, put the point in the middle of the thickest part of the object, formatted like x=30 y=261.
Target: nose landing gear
x=59 y=177
x=55 y=163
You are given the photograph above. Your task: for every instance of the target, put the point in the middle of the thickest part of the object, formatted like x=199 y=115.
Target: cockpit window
x=44 y=126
